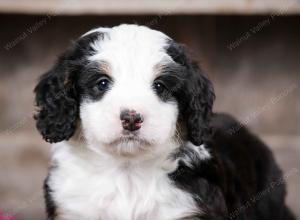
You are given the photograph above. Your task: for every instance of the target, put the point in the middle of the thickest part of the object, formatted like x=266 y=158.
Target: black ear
x=57 y=95
x=200 y=96
x=196 y=96
x=57 y=104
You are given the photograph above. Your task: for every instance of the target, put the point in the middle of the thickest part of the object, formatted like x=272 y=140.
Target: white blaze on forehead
x=130 y=49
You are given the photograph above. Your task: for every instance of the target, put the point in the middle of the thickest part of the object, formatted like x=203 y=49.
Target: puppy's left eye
x=104 y=84
x=159 y=87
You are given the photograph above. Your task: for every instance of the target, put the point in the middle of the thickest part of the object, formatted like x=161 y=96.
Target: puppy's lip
x=131 y=137
x=126 y=133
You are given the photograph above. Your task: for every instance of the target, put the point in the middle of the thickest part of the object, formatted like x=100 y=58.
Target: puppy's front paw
x=191 y=155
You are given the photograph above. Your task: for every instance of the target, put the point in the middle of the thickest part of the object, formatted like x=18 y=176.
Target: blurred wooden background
x=250 y=50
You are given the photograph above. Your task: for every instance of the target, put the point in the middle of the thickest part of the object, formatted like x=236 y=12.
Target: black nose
x=131 y=120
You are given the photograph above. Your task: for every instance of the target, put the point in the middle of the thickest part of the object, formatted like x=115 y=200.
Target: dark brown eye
x=159 y=87
x=104 y=84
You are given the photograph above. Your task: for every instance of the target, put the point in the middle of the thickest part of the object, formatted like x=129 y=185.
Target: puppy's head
x=128 y=87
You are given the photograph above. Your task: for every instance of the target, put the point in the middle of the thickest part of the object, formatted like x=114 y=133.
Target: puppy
x=129 y=116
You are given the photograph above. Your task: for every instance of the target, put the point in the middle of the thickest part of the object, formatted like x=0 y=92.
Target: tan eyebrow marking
x=105 y=67
x=165 y=67
x=159 y=68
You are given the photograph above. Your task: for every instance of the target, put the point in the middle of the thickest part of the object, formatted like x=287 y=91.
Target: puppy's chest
x=119 y=194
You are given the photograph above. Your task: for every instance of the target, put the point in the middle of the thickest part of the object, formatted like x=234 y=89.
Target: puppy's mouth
x=130 y=139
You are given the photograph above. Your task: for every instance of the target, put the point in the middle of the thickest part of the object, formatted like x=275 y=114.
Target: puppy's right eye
x=159 y=87
x=103 y=84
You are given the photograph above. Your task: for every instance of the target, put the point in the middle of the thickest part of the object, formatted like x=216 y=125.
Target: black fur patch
x=57 y=96
x=241 y=181
x=195 y=96
x=50 y=205
x=87 y=83
x=172 y=77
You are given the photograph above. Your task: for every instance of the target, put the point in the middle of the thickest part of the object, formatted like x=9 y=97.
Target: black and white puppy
x=134 y=137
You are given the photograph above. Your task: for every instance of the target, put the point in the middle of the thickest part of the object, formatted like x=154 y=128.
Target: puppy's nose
x=131 y=120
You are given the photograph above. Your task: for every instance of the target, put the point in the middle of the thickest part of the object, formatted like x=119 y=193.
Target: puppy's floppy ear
x=195 y=97
x=200 y=96
x=57 y=95
x=57 y=104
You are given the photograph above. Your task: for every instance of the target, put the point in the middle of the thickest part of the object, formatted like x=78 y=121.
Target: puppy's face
x=125 y=106
x=127 y=86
